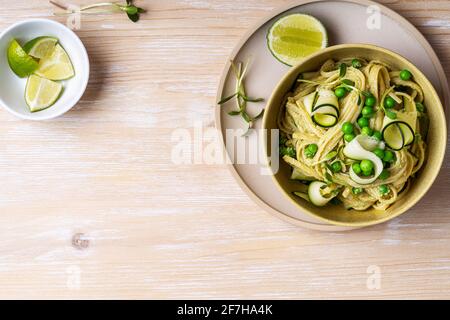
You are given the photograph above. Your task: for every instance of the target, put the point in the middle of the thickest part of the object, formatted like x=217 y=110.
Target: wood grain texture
x=94 y=197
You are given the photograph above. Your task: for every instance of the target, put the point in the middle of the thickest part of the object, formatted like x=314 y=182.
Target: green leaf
x=246 y=117
x=288 y=151
x=234 y=113
x=420 y=107
x=226 y=99
x=247 y=99
x=259 y=115
x=390 y=114
x=132 y=10
x=133 y=17
x=348 y=82
x=331 y=155
x=342 y=70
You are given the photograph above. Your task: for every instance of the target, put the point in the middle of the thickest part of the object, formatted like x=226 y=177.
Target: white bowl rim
x=76 y=99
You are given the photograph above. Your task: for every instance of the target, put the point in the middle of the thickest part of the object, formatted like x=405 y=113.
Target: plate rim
x=320 y=226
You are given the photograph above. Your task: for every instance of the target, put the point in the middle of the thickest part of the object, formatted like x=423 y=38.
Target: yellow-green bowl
x=437 y=136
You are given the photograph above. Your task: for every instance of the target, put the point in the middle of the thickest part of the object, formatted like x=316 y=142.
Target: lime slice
x=40 y=47
x=41 y=93
x=56 y=66
x=20 y=62
x=296 y=36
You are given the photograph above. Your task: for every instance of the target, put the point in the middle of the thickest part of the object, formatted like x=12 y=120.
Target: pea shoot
x=241 y=97
x=133 y=12
x=287 y=151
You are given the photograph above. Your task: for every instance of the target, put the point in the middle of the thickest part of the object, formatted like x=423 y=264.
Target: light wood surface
x=91 y=205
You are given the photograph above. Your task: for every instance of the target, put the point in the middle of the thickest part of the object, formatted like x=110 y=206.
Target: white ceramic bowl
x=12 y=88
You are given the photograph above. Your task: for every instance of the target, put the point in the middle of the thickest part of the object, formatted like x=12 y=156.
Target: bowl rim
x=85 y=81
x=440 y=110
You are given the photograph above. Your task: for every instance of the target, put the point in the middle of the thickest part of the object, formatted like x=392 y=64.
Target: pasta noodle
x=300 y=130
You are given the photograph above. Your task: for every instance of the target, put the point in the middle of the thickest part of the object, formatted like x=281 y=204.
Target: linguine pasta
x=300 y=129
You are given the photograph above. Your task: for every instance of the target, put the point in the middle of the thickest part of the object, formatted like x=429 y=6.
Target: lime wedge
x=40 y=47
x=20 y=62
x=296 y=36
x=41 y=93
x=56 y=66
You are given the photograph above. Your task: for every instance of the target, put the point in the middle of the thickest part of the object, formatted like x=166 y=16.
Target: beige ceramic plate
x=346 y=23
x=437 y=134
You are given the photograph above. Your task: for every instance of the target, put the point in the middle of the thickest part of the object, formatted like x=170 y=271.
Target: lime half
x=296 y=36
x=20 y=62
x=41 y=93
x=56 y=66
x=40 y=47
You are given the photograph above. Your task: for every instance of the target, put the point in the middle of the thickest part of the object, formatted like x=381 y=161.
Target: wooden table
x=91 y=205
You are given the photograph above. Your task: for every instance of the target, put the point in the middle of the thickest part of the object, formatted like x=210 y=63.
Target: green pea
x=366 y=165
x=377 y=135
x=356 y=168
x=311 y=150
x=347 y=128
x=383 y=189
x=340 y=92
x=384 y=175
x=367 y=111
x=363 y=122
x=349 y=137
x=405 y=75
x=389 y=103
x=357 y=190
x=388 y=156
x=336 y=166
x=379 y=153
x=356 y=63
x=367 y=131
x=371 y=101
x=367 y=173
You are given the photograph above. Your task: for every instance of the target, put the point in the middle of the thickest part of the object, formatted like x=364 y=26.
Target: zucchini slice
x=393 y=136
x=406 y=123
x=315 y=195
x=298 y=175
x=303 y=196
x=355 y=150
x=325 y=120
x=325 y=110
x=309 y=101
